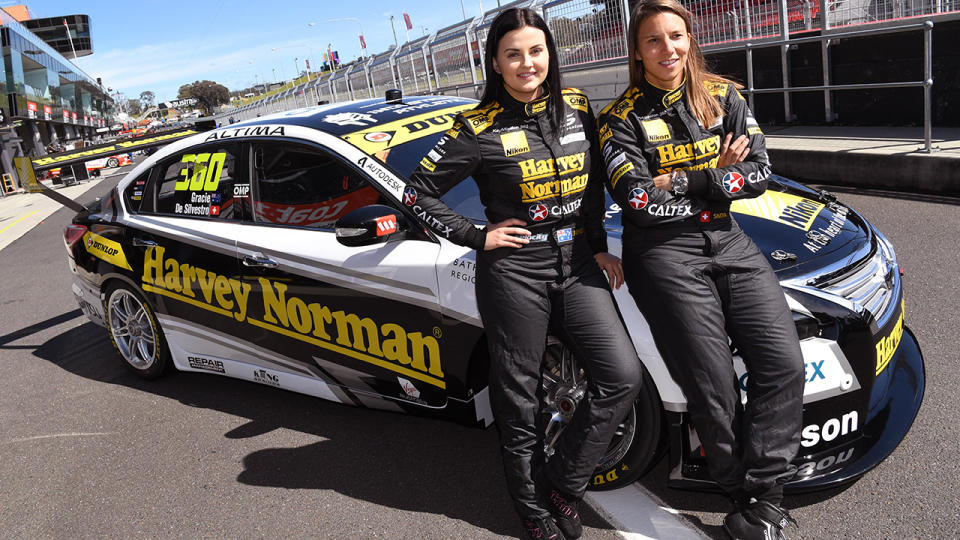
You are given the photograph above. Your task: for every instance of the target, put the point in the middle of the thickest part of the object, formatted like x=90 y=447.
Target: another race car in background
x=285 y=251
x=94 y=166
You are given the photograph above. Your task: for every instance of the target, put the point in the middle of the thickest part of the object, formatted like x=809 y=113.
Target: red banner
x=406 y=19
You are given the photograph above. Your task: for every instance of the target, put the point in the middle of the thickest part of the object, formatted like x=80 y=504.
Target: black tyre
x=113 y=162
x=638 y=443
x=134 y=331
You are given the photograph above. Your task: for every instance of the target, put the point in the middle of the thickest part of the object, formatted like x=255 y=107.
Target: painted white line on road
x=58 y=435
x=637 y=516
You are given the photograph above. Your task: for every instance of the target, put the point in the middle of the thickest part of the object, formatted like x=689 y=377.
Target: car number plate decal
x=785 y=208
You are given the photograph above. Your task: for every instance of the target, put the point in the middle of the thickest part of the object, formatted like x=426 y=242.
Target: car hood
x=794 y=226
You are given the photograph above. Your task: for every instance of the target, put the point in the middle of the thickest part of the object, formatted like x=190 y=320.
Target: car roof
x=344 y=118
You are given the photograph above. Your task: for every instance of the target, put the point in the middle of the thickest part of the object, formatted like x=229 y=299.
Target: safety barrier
x=589 y=33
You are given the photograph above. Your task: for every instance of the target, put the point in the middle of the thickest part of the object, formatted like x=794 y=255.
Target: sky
x=141 y=45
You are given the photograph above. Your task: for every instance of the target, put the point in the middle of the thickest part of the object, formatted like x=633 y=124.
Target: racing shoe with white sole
x=758 y=520
x=541 y=528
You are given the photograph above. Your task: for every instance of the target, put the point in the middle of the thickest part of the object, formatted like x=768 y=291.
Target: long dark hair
x=704 y=106
x=507 y=21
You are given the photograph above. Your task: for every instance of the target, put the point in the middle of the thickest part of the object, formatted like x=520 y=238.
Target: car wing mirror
x=373 y=224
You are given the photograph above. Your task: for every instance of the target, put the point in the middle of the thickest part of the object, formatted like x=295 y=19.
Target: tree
x=146 y=99
x=208 y=94
x=133 y=107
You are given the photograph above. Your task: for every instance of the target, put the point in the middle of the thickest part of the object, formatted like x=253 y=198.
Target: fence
x=589 y=34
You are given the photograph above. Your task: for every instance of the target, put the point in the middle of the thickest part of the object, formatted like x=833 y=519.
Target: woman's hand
x=506 y=234
x=613 y=268
x=733 y=153
x=663 y=182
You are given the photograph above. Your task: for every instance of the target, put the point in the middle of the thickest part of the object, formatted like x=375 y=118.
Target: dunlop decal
x=406 y=129
x=514 y=143
x=656 y=130
x=785 y=208
x=618 y=174
x=428 y=165
x=754 y=131
x=105 y=249
x=390 y=346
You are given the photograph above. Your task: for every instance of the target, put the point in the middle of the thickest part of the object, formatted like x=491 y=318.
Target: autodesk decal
x=388 y=345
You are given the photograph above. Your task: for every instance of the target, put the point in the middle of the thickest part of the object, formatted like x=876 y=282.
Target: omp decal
x=112 y=149
x=785 y=208
x=514 y=142
x=480 y=119
x=405 y=130
x=622 y=106
x=656 y=130
x=887 y=346
x=253 y=131
x=672 y=153
x=831 y=429
x=575 y=99
x=717 y=88
x=389 y=346
x=207 y=169
x=105 y=249
x=534 y=169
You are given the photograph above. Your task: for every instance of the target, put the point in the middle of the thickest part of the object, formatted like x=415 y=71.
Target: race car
x=95 y=165
x=282 y=251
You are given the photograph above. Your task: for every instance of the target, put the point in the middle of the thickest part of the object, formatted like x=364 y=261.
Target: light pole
x=395 y=44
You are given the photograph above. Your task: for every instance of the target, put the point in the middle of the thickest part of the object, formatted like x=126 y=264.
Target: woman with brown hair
x=531 y=147
x=680 y=144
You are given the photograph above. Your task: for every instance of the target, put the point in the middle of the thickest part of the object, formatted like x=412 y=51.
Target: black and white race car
x=281 y=251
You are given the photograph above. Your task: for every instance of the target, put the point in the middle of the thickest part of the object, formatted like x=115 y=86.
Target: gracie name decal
x=387 y=345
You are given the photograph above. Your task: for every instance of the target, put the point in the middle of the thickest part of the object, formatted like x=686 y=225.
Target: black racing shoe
x=758 y=520
x=566 y=511
x=542 y=528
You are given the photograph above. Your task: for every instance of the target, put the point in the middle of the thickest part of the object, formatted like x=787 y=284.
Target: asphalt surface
x=89 y=450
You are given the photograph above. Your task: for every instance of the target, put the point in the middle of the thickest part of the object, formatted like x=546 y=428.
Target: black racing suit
x=552 y=180
x=697 y=279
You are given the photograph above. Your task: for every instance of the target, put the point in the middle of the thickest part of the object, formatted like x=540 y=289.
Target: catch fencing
x=589 y=34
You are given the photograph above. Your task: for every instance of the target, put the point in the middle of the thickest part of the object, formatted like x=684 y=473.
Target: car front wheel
x=134 y=331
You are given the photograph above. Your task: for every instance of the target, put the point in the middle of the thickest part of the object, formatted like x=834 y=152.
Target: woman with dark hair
x=530 y=146
x=700 y=282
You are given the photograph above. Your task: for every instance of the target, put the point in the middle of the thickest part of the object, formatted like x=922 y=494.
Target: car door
x=364 y=319
x=183 y=228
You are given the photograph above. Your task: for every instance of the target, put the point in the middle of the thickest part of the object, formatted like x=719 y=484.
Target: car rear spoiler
x=27 y=168
x=120 y=146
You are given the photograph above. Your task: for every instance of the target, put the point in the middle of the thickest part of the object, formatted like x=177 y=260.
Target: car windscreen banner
x=82 y=155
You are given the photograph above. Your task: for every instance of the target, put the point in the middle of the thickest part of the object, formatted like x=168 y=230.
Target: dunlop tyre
x=134 y=331
x=113 y=162
x=623 y=466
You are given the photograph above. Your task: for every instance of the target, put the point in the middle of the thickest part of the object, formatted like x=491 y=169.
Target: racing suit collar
x=662 y=96
x=532 y=108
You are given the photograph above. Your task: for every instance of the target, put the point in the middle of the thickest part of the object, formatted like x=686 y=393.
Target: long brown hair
x=703 y=105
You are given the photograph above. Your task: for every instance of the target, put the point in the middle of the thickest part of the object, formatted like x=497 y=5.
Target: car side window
x=134 y=194
x=201 y=182
x=306 y=186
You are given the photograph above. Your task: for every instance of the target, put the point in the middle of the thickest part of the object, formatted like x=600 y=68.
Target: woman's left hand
x=613 y=268
x=663 y=182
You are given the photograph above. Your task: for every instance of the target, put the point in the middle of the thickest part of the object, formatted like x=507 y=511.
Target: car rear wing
x=120 y=146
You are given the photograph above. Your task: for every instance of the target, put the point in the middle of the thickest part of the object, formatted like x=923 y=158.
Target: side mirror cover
x=373 y=224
